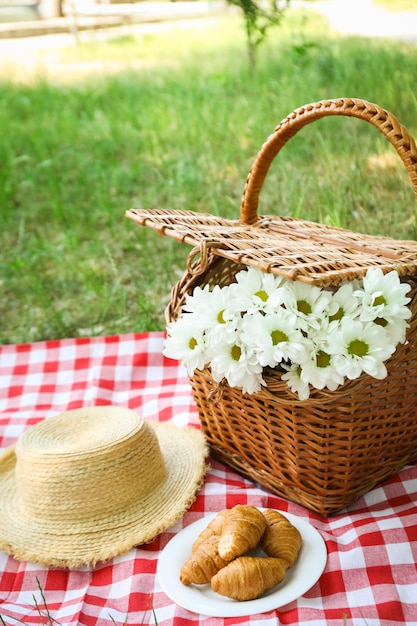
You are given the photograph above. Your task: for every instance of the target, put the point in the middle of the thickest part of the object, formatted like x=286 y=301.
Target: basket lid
x=287 y=246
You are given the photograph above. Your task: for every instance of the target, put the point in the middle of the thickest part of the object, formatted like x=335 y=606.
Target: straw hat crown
x=92 y=483
x=82 y=470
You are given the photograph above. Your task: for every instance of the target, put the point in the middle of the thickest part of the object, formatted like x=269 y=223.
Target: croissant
x=203 y=563
x=248 y=577
x=281 y=539
x=213 y=528
x=242 y=530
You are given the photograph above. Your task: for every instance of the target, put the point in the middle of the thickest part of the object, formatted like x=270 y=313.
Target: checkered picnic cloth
x=370 y=577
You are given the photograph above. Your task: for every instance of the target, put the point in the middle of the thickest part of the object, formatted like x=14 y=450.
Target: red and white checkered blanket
x=370 y=578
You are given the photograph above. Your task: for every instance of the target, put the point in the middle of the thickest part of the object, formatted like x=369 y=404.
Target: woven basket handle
x=389 y=126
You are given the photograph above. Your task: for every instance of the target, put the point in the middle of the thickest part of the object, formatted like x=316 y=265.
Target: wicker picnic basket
x=326 y=451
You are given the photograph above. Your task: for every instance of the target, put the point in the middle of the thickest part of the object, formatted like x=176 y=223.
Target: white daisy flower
x=309 y=303
x=222 y=332
x=294 y=381
x=252 y=290
x=273 y=338
x=212 y=307
x=199 y=300
x=396 y=331
x=238 y=365
x=186 y=342
x=383 y=297
x=319 y=369
x=347 y=302
x=360 y=347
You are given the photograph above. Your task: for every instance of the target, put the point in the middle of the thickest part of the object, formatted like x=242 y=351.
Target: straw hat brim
x=185 y=454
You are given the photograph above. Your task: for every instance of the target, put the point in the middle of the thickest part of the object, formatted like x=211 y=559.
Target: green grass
x=174 y=120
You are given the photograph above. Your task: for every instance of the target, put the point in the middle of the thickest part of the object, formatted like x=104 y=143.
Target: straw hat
x=89 y=484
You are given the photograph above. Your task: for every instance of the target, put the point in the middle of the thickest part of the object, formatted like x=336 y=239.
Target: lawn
x=174 y=120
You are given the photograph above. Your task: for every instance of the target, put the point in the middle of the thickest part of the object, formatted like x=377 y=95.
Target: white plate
x=201 y=599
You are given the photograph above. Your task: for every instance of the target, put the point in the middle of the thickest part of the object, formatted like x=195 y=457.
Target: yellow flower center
x=304 y=307
x=379 y=300
x=236 y=353
x=220 y=317
x=357 y=347
x=192 y=343
x=337 y=316
x=262 y=295
x=322 y=359
x=278 y=336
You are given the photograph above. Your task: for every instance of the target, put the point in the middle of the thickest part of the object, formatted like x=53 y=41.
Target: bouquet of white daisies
x=315 y=337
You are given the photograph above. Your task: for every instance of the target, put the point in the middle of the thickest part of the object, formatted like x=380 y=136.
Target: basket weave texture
x=326 y=451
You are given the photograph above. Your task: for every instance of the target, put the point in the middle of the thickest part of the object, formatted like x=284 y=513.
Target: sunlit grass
x=174 y=120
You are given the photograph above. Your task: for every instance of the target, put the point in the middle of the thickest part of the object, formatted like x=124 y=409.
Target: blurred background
x=106 y=106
